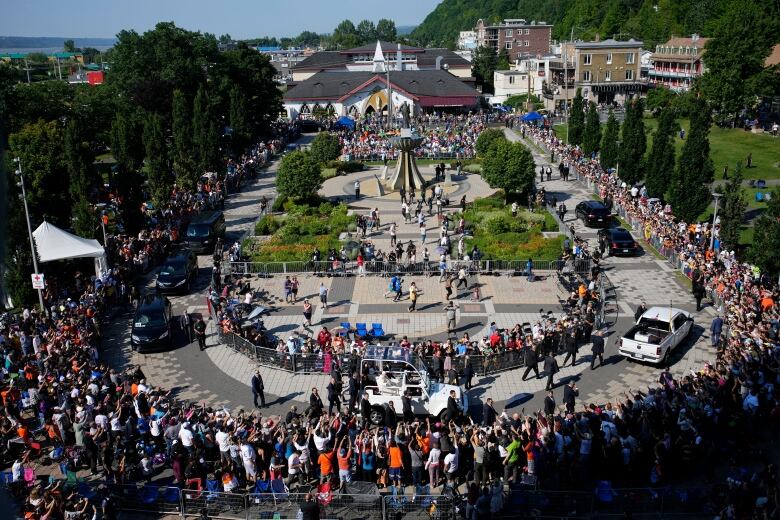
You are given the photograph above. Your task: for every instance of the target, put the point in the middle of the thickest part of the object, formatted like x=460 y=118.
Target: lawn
x=727 y=147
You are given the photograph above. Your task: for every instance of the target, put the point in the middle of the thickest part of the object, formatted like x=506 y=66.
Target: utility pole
x=714 y=219
x=389 y=97
x=27 y=68
x=566 y=79
x=18 y=162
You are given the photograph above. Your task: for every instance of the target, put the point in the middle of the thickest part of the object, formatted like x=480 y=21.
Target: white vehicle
x=657 y=332
x=393 y=371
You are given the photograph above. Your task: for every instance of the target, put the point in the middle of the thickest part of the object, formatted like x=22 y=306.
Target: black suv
x=618 y=241
x=592 y=213
x=152 y=327
x=178 y=272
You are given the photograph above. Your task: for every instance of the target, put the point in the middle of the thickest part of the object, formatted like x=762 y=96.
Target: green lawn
x=727 y=147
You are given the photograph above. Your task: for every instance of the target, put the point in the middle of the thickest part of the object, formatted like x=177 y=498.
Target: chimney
x=398 y=58
x=438 y=62
x=597 y=38
x=694 y=37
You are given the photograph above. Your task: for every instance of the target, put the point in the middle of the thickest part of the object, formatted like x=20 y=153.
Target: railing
x=370 y=267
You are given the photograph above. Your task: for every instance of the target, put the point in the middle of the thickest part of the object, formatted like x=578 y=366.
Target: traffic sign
x=37 y=281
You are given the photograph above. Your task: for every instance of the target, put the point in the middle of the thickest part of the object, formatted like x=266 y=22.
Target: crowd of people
x=450 y=136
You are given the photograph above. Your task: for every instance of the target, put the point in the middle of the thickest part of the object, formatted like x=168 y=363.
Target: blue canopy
x=346 y=122
x=532 y=116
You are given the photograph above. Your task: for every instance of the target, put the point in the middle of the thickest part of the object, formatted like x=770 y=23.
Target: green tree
x=659 y=98
x=385 y=30
x=660 y=163
x=79 y=162
x=634 y=145
x=366 y=31
x=609 y=142
x=732 y=210
x=307 y=39
x=345 y=36
x=591 y=137
x=181 y=141
x=204 y=134
x=299 y=175
x=690 y=187
x=577 y=119
x=735 y=56
x=69 y=46
x=486 y=140
x=509 y=166
x=239 y=120
x=483 y=66
x=766 y=237
x=502 y=61
x=325 y=147
x=157 y=171
x=127 y=144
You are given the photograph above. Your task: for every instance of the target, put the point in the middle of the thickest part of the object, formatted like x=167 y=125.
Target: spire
x=379 y=58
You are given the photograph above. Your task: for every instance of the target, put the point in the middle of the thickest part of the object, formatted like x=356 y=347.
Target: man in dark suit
x=570 y=393
x=258 y=389
x=453 y=412
x=489 y=413
x=549 y=403
x=468 y=372
x=353 y=391
x=531 y=362
x=639 y=311
x=365 y=409
x=570 y=346
x=550 y=368
x=597 y=349
x=406 y=402
x=333 y=395
x=315 y=404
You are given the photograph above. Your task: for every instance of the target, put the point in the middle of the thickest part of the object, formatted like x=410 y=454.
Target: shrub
x=267 y=225
x=486 y=140
x=298 y=175
x=345 y=166
x=473 y=168
x=325 y=147
x=279 y=203
x=497 y=225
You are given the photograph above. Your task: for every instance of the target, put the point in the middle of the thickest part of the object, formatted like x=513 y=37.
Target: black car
x=152 y=324
x=618 y=241
x=593 y=213
x=178 y=272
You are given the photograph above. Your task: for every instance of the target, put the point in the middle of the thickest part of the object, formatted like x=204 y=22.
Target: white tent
x=53 y=243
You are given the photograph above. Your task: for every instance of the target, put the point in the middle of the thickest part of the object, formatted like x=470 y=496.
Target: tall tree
x=591 y=137
x=79 y=162
x=345 y=35
x=299 y=175
x=576 y=119
x=509 y=166
x=69 y=46
x=204 y=134
x=486 y=139
x=181 y=141
x=239 y=120
x=690 y=187
x=385 y=30
x=609 y=143
x=325 y=147
x=483 y=66
x=366 y=31
x=766 y=237
x=732 y=210
x=157 y=171
x=634 y=145
x=502 y=61
x=660 y=163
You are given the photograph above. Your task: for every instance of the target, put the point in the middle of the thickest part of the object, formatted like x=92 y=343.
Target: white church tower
x=379 y=59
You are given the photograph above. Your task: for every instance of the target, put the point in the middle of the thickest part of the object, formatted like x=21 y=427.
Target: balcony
x=666 y=73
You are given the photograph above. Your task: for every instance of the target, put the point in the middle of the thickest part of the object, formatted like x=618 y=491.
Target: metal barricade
x=432 y=507
x=217 y=504
x=148 y=498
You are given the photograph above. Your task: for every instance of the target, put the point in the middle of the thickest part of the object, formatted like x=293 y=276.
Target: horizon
x=243 y=19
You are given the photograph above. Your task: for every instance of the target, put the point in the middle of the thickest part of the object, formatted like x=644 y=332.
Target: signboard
x=37 y=281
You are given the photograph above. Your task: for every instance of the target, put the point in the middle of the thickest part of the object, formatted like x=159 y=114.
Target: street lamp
x=717 y=196
x=20 y=174
x=617 y=164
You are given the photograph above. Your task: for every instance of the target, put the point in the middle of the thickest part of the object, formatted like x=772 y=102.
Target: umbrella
x=532 y=116
x=257 y=311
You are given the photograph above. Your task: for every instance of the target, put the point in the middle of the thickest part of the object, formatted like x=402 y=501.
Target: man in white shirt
x=186 y=437
x=451 y=468
x=293 y=467
x=223 y=441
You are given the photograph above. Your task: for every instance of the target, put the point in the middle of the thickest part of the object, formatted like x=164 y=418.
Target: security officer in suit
x=551 y=368
x=570 y=393
x=549 y=403
x=597 y=349
x=531 y=361
x=258 y=389
x=570 y=346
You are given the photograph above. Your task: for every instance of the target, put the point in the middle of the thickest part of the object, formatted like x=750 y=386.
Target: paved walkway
x=220 y=377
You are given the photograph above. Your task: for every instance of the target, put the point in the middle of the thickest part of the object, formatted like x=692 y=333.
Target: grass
x=328 y=173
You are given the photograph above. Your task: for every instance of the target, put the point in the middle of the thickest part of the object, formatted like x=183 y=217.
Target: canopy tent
x=53 y=243
x=532 y=116
x=346 y=122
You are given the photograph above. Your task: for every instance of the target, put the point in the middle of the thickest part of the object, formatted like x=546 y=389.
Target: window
x=586 y=75
x=527 y=31
x=630 y=74
x=630 y=58
x=511 y=80
x=508 y=33
x=508 y=45
x=527 y=43
x=607 y=75
x=609 y=58
x=586 y=59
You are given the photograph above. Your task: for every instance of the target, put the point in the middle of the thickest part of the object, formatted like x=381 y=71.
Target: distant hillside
x=650 y=20
x=35 y=44
x=403 y=30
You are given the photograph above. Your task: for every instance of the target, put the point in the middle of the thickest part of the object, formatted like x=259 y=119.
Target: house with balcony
x=609 y=71
x=678 y=62
x=520 y=39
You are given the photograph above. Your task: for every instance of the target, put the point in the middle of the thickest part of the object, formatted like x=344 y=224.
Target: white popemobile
x=394 y=370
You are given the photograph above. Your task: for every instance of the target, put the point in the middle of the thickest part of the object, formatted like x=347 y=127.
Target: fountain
x=406 y=174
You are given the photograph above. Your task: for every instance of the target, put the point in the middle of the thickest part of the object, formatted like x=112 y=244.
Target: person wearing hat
x=258 y=389
x=597 y=349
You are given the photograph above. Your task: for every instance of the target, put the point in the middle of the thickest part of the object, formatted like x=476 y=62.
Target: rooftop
x=426 y=58
x=609 y=44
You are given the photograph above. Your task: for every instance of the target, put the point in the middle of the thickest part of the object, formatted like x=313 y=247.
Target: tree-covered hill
x=650 y=20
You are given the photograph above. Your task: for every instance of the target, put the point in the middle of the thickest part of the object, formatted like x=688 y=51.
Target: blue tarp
x=532 y=116
x=346 y=122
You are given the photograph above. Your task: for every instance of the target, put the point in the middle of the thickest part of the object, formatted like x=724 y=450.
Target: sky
x=239 y=18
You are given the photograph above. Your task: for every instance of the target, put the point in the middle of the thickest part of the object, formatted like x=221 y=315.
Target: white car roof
x=662 y=313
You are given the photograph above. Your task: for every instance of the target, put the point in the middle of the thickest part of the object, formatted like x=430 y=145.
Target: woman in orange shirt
x=396 y=462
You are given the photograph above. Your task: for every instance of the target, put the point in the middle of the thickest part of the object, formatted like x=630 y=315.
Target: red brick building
x=519 y=38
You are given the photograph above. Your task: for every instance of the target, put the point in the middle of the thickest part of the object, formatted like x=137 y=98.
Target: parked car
x=657 y=332
x=152 y=324
x=618 y=242
x=178 y=272
x=593 y=213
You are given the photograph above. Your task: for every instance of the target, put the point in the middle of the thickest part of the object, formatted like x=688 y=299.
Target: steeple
x=379 y=58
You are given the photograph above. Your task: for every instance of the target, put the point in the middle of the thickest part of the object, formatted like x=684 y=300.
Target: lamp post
x=717 y=197
x=617 y=164
x=19 y=172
